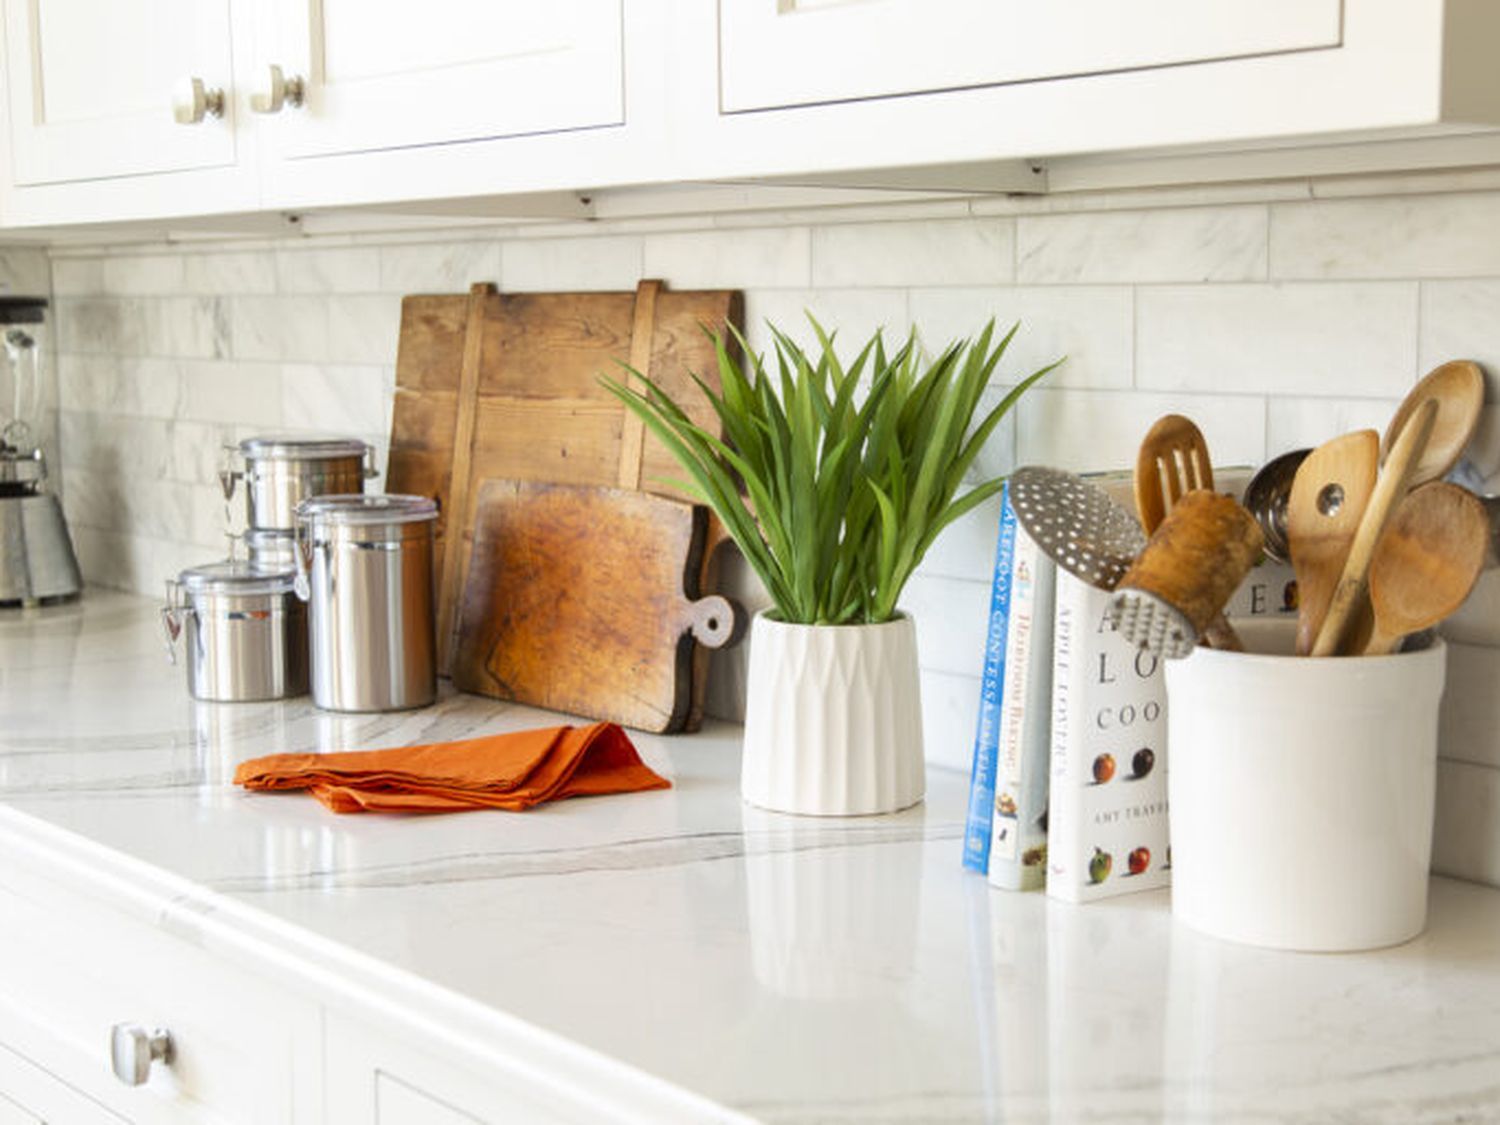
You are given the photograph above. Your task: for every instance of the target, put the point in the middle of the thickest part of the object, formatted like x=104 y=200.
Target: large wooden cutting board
x=506 y=385
x=586 y=600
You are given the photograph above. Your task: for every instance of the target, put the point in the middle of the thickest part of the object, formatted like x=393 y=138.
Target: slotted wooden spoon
x=1329 y=494
x=1173 y=461
x=1426 y=562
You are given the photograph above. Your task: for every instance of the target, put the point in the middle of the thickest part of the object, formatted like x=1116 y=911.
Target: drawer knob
x=132 y=1050
x=278 y=91
x=192 y=101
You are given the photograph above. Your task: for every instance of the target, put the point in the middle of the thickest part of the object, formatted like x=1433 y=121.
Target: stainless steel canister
x=271 y=548
x=282 y=470
x=365 y=565
x=244 y=630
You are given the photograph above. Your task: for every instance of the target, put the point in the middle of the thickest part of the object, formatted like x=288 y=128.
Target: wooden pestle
x=1197 y=557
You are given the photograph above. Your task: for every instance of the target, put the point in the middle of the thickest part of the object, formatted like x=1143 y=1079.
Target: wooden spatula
x=1350 y=599
x=1426 y=562
x=1173 y=461
x=1329 y=495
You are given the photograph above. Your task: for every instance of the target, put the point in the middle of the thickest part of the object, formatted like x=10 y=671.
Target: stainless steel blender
x=36 y=555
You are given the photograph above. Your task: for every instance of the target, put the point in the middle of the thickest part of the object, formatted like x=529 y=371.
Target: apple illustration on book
x=1100 y=865
x=1104 y=769
x=1139 y=860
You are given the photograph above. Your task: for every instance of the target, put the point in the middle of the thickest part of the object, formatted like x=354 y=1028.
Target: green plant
x=842 y=495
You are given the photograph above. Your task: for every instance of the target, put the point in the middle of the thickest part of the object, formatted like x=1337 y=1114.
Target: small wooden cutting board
x=585 y=599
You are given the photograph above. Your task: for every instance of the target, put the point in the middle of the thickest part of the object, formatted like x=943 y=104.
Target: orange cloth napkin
x=501 y=771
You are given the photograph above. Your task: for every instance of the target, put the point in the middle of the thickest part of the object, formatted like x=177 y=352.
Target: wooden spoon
x=1458 y=387
x=1426 y=562
x=1173 y=461
x=1349 y=603
x=1329 y=494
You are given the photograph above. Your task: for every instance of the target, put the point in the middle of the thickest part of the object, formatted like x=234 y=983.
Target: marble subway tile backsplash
x=1357 y=339
x=1188 y=244
x=1091 y=328
x=1405 y=236
x=1273 y=319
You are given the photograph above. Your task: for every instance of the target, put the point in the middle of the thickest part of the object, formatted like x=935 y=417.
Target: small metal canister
x=271 y=548
x=244 y=630
x=365 y=565
x=282 y=470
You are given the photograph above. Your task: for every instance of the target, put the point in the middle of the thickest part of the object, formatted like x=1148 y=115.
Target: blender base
x=37 y=562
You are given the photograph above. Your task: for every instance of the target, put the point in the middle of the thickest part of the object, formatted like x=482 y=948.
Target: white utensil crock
x=833 y=718
x=1301 y=792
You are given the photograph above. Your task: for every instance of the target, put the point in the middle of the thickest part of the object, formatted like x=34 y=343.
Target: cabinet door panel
x=379 y=78
x=377 y=1076
x=91 y=86
x=777 y=53
x=32 y=1096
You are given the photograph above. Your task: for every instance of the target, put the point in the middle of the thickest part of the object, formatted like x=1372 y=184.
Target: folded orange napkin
x=500 y=771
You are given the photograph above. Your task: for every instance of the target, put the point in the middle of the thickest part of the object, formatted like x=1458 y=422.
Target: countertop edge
x=332 y=973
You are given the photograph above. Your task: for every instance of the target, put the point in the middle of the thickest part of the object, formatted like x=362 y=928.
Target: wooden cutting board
x=495 y=385
x=585 y=600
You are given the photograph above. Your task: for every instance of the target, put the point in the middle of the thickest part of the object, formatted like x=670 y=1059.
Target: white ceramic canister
x=1301 y=791
x=365 y=565
x=282 y=470
x=243 y=629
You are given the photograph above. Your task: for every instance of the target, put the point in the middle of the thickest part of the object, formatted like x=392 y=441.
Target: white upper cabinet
x=387 y=74
x=831 y=90
x=777 y=53
x=91 y=87
x=343 y=103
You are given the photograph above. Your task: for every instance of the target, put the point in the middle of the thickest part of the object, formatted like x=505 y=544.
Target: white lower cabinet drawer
x=242 y=1048
x=380 y=1077
x=30 y=1095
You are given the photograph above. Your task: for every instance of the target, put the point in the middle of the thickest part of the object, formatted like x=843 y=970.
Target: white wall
x=1275 y=315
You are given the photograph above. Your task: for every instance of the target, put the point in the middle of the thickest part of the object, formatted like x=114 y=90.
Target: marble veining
x=789 y=969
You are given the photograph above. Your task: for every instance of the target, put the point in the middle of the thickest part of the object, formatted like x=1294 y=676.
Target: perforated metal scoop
x=1077 y=524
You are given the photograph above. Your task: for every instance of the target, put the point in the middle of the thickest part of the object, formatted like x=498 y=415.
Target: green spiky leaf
x=835 y=478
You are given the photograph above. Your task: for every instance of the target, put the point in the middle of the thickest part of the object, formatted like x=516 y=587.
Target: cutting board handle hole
x=717 y=621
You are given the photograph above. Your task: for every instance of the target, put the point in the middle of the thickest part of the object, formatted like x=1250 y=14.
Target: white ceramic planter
x=1301 y=792
x=833 y=718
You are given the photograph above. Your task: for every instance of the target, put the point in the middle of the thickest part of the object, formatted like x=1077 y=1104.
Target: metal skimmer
x=1077 y=524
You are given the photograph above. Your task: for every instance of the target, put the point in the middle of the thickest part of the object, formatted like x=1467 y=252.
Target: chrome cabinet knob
x=192 y=101
x=132 y=1050
x=278 y=93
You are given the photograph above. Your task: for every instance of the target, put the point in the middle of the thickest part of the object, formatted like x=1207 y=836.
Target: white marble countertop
x=786 y=969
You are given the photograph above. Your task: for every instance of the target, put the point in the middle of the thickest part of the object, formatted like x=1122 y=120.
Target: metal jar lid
x=301 y=447
x=366 y=509
x=270 y=538
x=235 y=577
x=21 y=466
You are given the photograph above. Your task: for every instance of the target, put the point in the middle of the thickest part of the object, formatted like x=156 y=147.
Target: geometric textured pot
x=833 y=718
